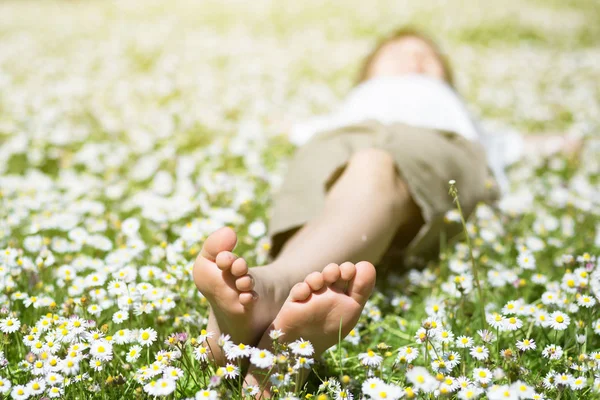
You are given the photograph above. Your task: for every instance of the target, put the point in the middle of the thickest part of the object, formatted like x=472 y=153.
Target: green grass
x=175 y=115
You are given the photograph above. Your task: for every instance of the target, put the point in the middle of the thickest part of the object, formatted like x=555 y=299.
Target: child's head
x=403 y=52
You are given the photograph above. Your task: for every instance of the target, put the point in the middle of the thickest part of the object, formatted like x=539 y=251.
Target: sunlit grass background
x=176 y=113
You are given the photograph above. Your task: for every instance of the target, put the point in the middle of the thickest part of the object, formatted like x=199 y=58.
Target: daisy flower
x=550 y=298
x=471 y=392
x=160 y=387
x=51 y=346
x=486 y=335
x=440 y=365
x=36 y=386
x=388 y=392
x=134 y=353
x=482 y=375
x=464 y=342
x=407 y=354
x=370 y=359
x=480 y=353
x=511 y=307
x=231 y=371
x=94 y=309
x=596 y=326
x=224 y=341
x=96 y=365
x=559 y=321
x=261 y=358
x=372 y=386
x=55 y=392
x=452 y=359
x=32 y=300
x=445 y=336
x=173 y=373
x=38 y=368
x=353 y=337
x=501 y=392
x=69 y=366
x=20 y=392
x=586 y=301
x=596 y=384
x=423 y=334
x=549 y=381
x=204 y=334
x=94 y=335
x=541 y=318
x=280 y=380
x=101 y=349
x=512 y=323
x=448 y=385
x=526 y=344
x=117 y=288
x=248 y=391
x=201 y=353
x=123 y=336
x=410 y=392
x=9 y=325
x=526 y=260
x=30 y=339
x=343 y=395
x=304 y=362
x=578 y=383
x=37 y=347
x=302 y=347
x=495 y=320
x=523 y=390
x=563 y=379
x=238 y=351
x=5 y=385
x=120 y=316
x=54 y=379
x=552 y=352
x=147 y=336
x=539 y=279
x=422 y=380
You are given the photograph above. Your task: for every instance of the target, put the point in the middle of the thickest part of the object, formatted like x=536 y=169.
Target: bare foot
x=317 y=307
x=239 y=306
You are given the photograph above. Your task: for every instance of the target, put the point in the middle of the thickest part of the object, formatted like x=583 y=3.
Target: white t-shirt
x=416 y=100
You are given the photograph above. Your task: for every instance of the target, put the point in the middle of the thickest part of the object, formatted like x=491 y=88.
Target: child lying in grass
x=370 y=188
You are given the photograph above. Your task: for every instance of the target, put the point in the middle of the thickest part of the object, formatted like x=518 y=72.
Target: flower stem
x=454 y=194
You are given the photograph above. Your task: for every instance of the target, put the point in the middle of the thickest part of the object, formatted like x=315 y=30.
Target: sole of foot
x=317 y=308
x=234 y=297
x=324 y=307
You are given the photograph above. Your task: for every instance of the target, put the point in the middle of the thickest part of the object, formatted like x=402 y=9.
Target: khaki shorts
x=426 y=159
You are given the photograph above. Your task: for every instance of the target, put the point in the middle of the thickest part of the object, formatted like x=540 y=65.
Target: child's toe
x=300 y=292
x=247 y=298
x=223 y=239
x=239 y=267
x=224 y=260
x=315 y=281
x=331 y=273
x=244 y=283
x=347 y=270
x=361 y=287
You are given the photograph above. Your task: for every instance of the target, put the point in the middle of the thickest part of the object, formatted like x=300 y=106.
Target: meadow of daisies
x=131 y=130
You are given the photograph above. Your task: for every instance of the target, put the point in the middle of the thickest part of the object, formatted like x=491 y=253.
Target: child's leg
x=364 y=210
